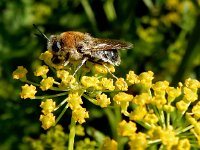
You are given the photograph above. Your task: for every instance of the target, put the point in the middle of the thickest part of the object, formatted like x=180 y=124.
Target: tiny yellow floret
x=48 y=106
x=79 y=114
x=28 y=91
x=41 y=71
x=20 y=73
x=127 y=128
x=121 y=96
x=103 y=100
x=47 y=83
x=138 y=141
x=105 y=84
x=132 y=78
x=47 y=120
x=109 y=144
x=182 y=105
x=121 y=84
x=74 y=100
x=146 y=78
x=62 y=74
x=89 y=81
x=183 y=144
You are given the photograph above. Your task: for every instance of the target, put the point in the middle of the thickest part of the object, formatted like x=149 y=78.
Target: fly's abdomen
x=108 y=56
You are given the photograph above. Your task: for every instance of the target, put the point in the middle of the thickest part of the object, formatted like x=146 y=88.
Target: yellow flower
x=79 y=114
x=69 y=82
x=183 y=144
x=62 y=74
x=160 y=88
x=89 y=81
x=197 y=128
x=182 y=105
x=127 y=128
x=138 y=141
x=196 y=110
x=48 y=106
x=102 y=100
x=80 y=130
x=121 y=84
x=47 y=120
x=105 y=84
x=168 y=138
x=142 y=99
x=28 y=91
x=132 y=78
x=109 y=144
x=151 y=118
x=20 y=73
x=74 y=100
x=121 y=96
x=103 y=70
x=47 y=83
x=138 y=113
x=155 y=132
x=41 y=71
x=159 y=101
x=190 y=95
x=168 y=108
x=173 y=93
x=46 y=56
x=190 y=119
x=192 y=84
x=146 y=78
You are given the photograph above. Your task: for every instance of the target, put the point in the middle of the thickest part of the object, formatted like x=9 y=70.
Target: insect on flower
x=73 y=46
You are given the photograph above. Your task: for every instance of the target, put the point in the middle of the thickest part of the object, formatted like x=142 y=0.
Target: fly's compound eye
x=56 y=46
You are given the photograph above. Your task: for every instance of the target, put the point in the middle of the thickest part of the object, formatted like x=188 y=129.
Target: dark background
x=165 y=35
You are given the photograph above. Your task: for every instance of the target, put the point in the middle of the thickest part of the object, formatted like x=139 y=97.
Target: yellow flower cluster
x=47 y=118
x=78 y=112
x=166 y=113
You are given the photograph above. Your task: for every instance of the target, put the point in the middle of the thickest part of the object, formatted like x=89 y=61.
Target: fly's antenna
x=42 y=34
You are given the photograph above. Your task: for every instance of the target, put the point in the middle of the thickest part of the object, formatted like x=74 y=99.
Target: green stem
x=72 y=134
x=61 y=114
x=185 y=129
x=50 y=96
x=92 y=100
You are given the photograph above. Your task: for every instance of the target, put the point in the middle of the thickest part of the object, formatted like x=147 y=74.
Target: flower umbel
x=156 y=114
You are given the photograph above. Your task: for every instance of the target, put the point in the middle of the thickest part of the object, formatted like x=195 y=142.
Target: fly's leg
x=110 y=71
x=80 y=65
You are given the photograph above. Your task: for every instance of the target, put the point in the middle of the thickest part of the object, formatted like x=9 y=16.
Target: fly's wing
x=109 y=44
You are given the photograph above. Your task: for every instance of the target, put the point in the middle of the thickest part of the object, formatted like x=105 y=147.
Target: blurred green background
x=165 y=34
